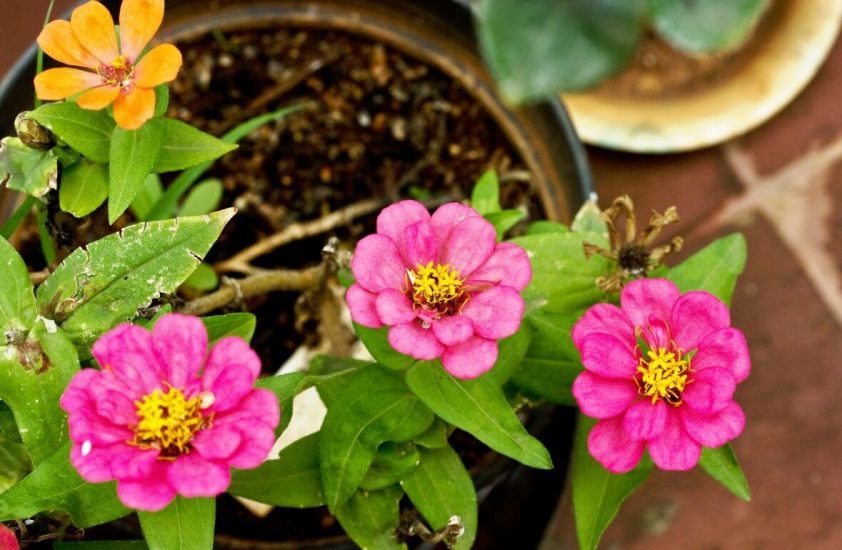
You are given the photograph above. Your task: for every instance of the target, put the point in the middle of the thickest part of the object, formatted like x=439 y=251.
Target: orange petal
x=139 y=21
x=93 y=27
x=133 y=108
x=98 y=98
x=57 y=41
x=160 y=65
x=64 y=82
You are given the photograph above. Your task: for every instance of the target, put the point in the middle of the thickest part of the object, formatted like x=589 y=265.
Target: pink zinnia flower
x=673 y=398
x=8 y=540
x=167 y=416
x=442 y=283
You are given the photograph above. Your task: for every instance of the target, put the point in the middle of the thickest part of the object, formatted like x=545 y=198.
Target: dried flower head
x=167 y=416
x=633 y=254
x=116 y=73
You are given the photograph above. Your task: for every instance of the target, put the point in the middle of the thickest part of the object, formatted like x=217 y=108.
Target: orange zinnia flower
x=89 y=40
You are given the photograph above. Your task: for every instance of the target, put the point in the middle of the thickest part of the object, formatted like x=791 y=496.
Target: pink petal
x=114 y=401
x=710 y=390
x=377 y=264
x=95 y=466
x=674 y=449
x=417 y=342
x=420 y=244
x=726 y=349
x=128 y=462
x=80 y=401
x=217 y=442
x=231 y=370
x=609 y=444
x=600 y=397
x=604 y=319
x=181 y=343
x=394 y=308
x=496 y=313
x=647 y=300
x=448 y=216
x=151 y=494
x=469 y=245
x=362 y=305
x=696 y=315
x=645 y=420
x=470 y=358
x=508 y=265
x=452 y=330
x=193 y=476
x=717 y=429
x=259 y=405
x=254 y=449
x=605 y=355
x=394 y=220
x=128 y=351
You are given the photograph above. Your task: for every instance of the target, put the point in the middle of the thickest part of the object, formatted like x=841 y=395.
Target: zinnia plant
x=120 y=395
x=164 y=416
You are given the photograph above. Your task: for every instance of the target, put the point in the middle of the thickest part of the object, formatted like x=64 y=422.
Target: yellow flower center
x=662 y=374
x=436 y=287
x=119 y=73
x=168 y=421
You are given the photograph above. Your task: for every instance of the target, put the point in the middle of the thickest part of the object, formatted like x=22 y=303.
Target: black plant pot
x=517 y=502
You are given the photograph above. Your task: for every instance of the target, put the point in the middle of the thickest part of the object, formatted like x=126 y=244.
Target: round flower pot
x=666 y=101
x=546 y=157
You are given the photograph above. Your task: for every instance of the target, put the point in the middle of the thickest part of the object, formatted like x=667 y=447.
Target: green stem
x=39 y=58
x=15 y=220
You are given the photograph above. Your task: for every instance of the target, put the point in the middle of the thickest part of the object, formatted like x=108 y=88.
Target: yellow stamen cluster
x=434 y=284
x=119 y=73
x=168 y=421
x=662 y=374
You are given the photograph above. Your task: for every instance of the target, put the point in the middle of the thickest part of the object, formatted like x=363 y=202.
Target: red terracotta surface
x=789 y=304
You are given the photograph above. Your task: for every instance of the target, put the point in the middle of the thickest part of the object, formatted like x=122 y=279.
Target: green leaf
x=706 y=27
x=185 y=146
x=511 y=352
x=33 y=375
x=545 y=226
x=203 y=198
x=55 y=485
x=440 y=487
x=433 y=438
x=721 y=464
x=186 y=524
x=15 y=462
x=17 y=301
x=371 y=517
x=597 y=493
x=505 y=220
x=133 y=154
x=562 y=279
x=27 y=170
x=376 y=341
x=374 y=407
x=88 y=132
x=479 y=408
x=485 y=197
x=715 y=268
x=538 y=48
x=589 y=220
x=230 y=324
x=204 y=278
x=168 y=203
x=104 y=284
x=162 y=100
x=291 y=481
x=392 y=462
x=149 y=193
x=84 y=186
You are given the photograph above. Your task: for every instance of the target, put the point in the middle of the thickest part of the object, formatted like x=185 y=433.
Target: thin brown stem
x=253 y=285
x=239 y=263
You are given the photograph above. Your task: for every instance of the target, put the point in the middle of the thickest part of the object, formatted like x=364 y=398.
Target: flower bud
x=32 y=134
